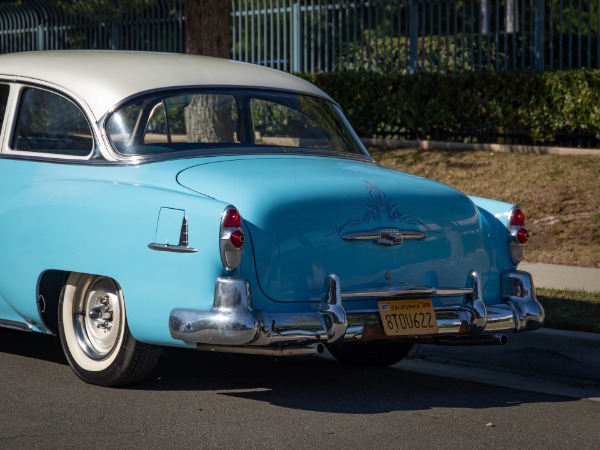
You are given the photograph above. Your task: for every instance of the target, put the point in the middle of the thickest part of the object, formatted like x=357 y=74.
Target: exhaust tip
x=503 y=339
x=320 y=348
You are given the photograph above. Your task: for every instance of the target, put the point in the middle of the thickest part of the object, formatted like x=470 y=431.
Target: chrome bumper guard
x=233 y=322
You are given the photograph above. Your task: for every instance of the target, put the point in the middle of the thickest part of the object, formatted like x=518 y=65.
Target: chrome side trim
x=12 y=325
x=171 y=248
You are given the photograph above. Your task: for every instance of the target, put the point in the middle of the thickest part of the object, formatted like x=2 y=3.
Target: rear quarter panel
x=99 y=220
x=495 y=216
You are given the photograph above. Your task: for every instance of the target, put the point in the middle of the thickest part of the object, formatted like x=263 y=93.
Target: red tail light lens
x=522 y=236
x=517 y=218
x=232 y=219
x=231 y=238
x=238 y=238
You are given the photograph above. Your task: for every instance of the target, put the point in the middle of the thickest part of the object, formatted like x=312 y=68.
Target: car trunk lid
x=373 y=227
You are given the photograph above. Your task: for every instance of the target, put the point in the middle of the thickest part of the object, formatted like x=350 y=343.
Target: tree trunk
x=208 y=119
x=207 y=32
x=208 y=27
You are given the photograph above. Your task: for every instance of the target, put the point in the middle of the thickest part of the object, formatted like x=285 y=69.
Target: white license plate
x=407 y=317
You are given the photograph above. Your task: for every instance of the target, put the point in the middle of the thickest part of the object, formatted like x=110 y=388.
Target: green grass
x=571 y=310
x=559 y=195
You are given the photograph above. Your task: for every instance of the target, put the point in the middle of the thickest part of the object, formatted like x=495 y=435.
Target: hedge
x=465 y=106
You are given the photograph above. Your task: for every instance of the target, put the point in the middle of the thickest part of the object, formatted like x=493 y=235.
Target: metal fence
x=407 y=36
x=417 y=35
x=156 y=25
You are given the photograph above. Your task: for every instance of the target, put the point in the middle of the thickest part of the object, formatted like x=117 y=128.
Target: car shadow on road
x=32 y=345
x=309 y=383
x=321 y=384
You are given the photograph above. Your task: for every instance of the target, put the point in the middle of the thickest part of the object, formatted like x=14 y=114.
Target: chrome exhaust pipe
x=288 y=350
x=486 y=339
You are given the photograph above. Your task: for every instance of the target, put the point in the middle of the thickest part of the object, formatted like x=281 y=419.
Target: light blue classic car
x=153 y=200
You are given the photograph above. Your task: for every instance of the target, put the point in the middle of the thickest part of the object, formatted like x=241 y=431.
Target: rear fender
x=500 y=210
x=104 y=228
x=495 y=218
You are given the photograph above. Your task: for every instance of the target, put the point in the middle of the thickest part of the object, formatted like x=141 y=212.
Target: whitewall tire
x=94 y=333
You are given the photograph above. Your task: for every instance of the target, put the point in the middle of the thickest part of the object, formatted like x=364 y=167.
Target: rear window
x=50 y=123
x=238 y=119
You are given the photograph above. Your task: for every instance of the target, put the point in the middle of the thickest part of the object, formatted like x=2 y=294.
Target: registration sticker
x=408 y=317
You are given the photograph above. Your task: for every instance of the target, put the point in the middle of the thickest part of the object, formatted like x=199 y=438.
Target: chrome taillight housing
x=231 y=238
x=516 y=227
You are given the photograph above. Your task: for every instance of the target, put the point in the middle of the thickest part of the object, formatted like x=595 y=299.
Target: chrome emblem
x=390 y=237
x=384 y=236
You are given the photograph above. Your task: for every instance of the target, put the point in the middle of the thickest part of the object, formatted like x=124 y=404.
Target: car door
x=43 y=135
x=8 y=316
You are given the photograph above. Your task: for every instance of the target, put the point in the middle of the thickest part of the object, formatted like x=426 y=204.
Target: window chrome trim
x=141 y=159
x=11 y=129
x=100 y=160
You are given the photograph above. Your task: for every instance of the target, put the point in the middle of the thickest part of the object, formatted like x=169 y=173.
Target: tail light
x=231 y=238
x=516 y=226
x=522 y=236
x=517 y=218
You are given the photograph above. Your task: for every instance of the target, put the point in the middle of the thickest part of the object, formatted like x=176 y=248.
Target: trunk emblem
x=390 y=237
x=384 y=236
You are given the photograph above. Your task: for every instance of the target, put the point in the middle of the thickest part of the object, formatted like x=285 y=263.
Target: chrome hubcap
x=97 y=317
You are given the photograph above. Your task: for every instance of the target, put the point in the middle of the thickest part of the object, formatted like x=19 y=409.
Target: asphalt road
x=201 y=400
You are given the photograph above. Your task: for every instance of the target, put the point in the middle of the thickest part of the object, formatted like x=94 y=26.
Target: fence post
x=41 y=44
x=413 y=38
x=296 y=44
x=484 y=17
x=511 y=17
x=115 y=35
x=539 y=25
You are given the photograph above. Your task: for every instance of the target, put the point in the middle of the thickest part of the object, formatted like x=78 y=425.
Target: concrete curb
x=567 y=356
x=500 y=148
x=555 y=276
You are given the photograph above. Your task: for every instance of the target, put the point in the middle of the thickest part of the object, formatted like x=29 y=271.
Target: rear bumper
x=233 y=322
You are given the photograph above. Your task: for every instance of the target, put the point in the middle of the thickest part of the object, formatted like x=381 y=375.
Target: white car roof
x=104 y=78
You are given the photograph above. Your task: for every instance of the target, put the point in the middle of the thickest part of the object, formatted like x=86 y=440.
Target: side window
x=4 y=90
x=50 y=123
x=278 y=124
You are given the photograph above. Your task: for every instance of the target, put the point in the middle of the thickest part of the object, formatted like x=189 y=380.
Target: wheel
x=95 y=337
x=372 y=354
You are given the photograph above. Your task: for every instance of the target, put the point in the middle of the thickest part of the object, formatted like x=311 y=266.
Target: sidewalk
x=563 y=277
x=566 y=356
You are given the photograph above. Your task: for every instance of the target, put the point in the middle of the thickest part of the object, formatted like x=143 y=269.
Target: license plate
x=407 y=317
